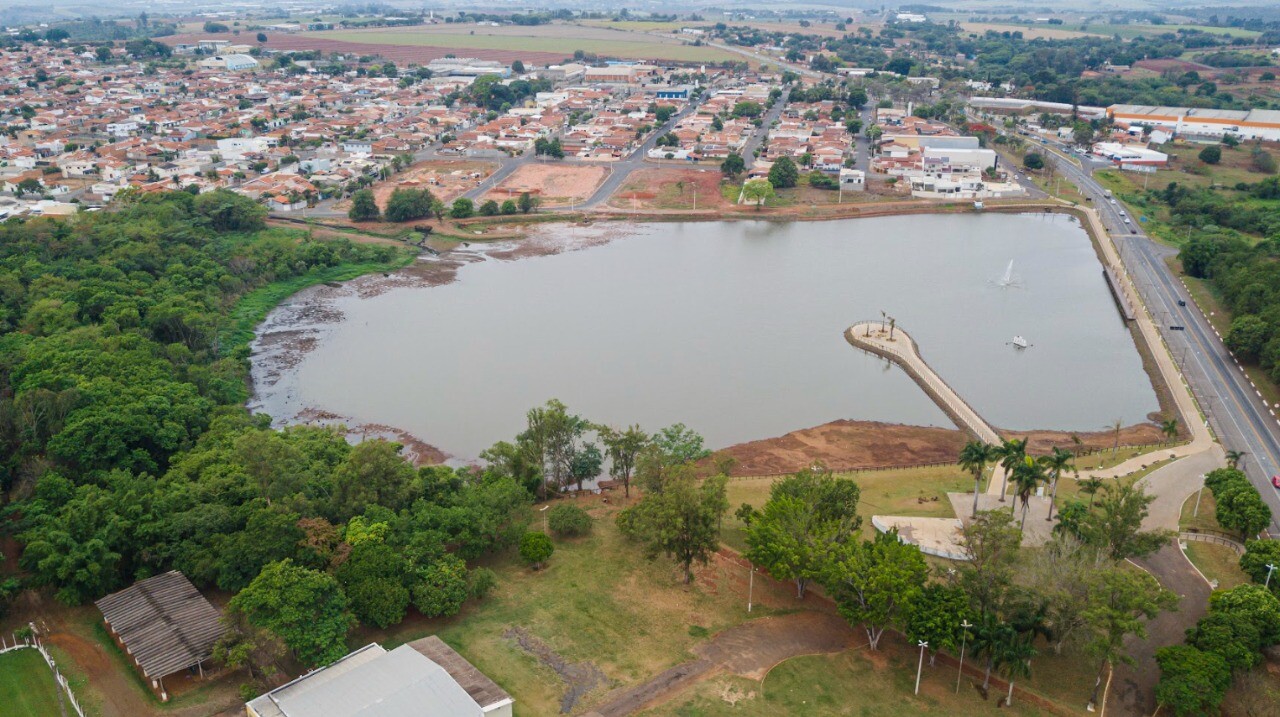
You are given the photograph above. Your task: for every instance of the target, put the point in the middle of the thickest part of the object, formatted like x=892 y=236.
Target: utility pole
x=751 y=586
x=920 y=667
x=1270 y=569
x=963 y=638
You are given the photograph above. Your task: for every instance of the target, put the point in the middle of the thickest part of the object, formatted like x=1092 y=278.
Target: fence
x=33 y=643
x=1217 y=537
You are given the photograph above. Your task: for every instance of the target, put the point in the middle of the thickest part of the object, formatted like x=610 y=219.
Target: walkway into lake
x=895 y=345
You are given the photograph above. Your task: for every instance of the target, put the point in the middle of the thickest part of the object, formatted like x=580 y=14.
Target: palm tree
x=1091 y=486
x=974 y=458
x=1011 y=454
x=1115 y=448
x=1234 y=458
x=1169 y=428
x=1056 y=463
x=1026 y=476
x=1014 y=658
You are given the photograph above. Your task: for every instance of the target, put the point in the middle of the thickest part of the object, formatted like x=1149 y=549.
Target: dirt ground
x=846 y=445
x=674 y=188
x=858 y=445
x=446 y=178
x=555 y=185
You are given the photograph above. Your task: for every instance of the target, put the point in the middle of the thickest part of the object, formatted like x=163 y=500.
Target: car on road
x=1113 y=201
x=1275 y=481
x=1182 y=302
x=1132 y=230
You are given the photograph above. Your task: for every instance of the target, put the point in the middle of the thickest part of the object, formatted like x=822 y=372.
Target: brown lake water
x=733 y=328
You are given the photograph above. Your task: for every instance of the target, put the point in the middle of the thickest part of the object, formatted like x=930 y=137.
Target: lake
x=733 y=328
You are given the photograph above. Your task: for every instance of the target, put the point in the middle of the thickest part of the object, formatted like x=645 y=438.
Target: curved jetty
x=896 y=345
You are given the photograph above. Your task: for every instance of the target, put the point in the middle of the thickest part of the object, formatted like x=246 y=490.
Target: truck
x=1107 y=193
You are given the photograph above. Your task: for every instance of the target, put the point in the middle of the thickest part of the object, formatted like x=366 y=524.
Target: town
x=337 y=342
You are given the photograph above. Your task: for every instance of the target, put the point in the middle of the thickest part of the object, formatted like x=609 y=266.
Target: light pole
x=751 y=586
x=920 y=666
x=963 y=639
x=1270 y=569
x=543 y=510
x=1196 y=512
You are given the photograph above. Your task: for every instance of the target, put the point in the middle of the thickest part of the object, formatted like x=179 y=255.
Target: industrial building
x=1200 y=123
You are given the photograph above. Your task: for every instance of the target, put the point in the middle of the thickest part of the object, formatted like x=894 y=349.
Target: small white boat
x=1019 y=342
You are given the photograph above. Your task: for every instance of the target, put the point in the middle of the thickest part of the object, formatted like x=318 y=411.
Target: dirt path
x=750 y=650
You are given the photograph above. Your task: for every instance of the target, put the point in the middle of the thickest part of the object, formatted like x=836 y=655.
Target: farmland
x=557 y=40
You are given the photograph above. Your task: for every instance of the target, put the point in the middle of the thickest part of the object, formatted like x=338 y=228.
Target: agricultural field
x=562 y=40
x=27 y=687
x=1132 y=31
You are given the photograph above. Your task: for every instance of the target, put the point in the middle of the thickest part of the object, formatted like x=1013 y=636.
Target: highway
x=1237 y=413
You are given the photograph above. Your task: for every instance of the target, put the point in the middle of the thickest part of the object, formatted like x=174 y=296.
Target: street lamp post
x=543 y=510
x=1270 y=569
x=920 y=667
x=751 y=586
x=963 y=639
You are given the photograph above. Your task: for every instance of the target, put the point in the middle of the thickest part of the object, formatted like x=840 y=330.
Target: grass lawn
x=27 y=687
x=850 y=683
x=637 y=46
x=598 y=600
x=1217 y=562
x=903 y=491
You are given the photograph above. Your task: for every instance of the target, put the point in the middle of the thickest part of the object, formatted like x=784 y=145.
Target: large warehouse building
x=1193 y=122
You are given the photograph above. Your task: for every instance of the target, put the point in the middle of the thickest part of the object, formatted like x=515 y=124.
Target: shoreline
x=306 y=316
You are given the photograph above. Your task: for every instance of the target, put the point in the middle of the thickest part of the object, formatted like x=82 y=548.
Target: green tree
x=262 y=37
x=1211 y=154
x=784 y=174
x=364 y=207
x=462 y=208
x=733 y=165
x=623 y=447
x=408 y=204
x=568 y=520
x=935 y=617
x=490 y=208
x=373 y=474
x=1056 y=463
x=442 y=587
x=536 y=549
x=526 y=202
x=227 y=211
x=305 y=608
x=28 y=185
x=991 y=543
x=1033 y=161
x=807 y=515
x=1117 y=523
x=874 y=582
x=1258 y=554
x=1247 y=337
x=758 y=191
x=681 y=519
x=373 y=579
x=509 y=207
x=1027 y=475
x=1121 y=601
x=1192 y=682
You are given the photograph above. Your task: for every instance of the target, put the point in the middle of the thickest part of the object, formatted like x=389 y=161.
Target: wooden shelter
x=164 y=624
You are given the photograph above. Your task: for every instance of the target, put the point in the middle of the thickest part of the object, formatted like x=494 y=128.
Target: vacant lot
x=446 y=178
x=555 y=185
x=598 y=603
x=558 y=39
x=27 y=688
x=674 y=189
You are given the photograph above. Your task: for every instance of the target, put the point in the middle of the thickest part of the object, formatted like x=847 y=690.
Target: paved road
x=1237 y=413
x=621 y=169
x=757 y=138
x=768 y=60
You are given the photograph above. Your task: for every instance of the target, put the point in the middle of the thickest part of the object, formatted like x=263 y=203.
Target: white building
x=1199 y=122
x=424 y=678
x=231 y=63
x=1125 y=154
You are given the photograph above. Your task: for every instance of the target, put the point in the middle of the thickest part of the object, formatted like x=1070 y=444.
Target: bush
x=1033 y=161
x=569 y=520
x=481 y=582
x=363 y=207
x=489 y=209
x=462 y=208
x=509 y=207
x=443 y=587
x=1211 y=154
x=818 y=180
x=536 y=549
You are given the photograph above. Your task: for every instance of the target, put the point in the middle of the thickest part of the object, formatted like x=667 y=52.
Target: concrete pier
x=900 y=348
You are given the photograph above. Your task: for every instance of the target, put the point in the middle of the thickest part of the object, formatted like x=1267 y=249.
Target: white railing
x=30 y=643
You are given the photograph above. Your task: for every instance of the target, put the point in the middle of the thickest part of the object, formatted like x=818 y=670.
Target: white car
x=1113 y=201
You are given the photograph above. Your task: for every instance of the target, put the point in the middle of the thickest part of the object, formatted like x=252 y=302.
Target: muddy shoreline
x=301 y=324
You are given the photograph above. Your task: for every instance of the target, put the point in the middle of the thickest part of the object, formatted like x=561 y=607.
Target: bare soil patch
x=446 y=178
x=670 y=189
x=580 y=678
x=555 y=185
x=1042 y=442
x=847 y=445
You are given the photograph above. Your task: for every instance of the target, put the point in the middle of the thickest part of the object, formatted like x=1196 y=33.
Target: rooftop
x=164 y=622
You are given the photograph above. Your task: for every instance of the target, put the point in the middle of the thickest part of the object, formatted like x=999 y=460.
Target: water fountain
x=1007 y=279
